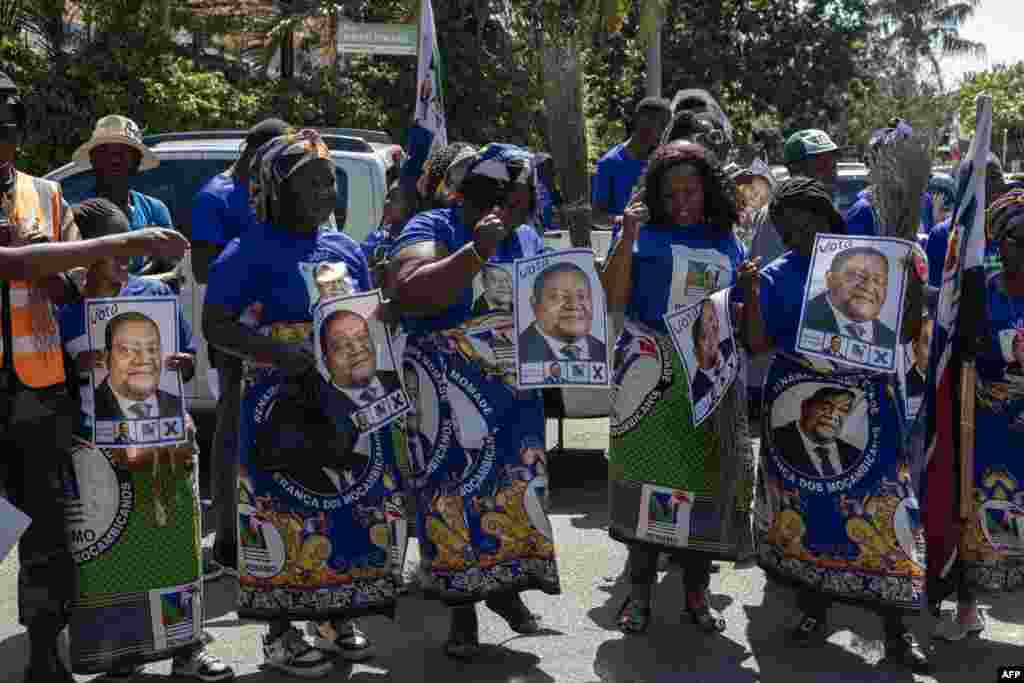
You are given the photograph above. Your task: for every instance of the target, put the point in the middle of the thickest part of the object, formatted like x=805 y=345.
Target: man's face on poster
x=135 y=359
x=857 y=288
x=498 y=287
x=836 y=345
x=412 y=388
x=330 y=280
x=565 y=309
x=822 y=417
x=1018 y=347
x=555 y=370
x=350 y=356
x=707 y=351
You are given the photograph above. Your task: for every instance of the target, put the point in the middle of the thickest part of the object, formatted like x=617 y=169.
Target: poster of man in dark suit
x=811 y=444
x=135 y=363
x=350 y=357
x=563 y=308
x=710 y=353
x=856 y=289
x=419 y=444
x=497 y=291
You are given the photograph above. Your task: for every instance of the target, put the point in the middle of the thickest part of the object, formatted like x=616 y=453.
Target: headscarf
x=436 y=167
x=274 y=162
x=1005 y=216
x=502 y=162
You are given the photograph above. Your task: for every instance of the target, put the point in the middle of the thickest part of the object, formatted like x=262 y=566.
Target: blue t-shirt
x=71 y=319
x=378 y=240
x=617 y=174
x=277 y=269
x=445 y=226
x=698 y=264
x=1006 y=320
x=860 y=218
x=782 y=287
x=938 y=240
x=221 y=210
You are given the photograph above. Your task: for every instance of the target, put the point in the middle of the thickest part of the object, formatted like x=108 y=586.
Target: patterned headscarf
x=274 y=162
x=1005 y=216
x=502 y=162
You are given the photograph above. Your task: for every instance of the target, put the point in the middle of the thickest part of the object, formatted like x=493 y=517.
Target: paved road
x=580 y=644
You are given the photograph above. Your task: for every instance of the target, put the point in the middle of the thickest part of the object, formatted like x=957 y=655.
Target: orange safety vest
x=35 y=337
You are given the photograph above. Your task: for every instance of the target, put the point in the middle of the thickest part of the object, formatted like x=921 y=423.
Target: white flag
x=430 y=80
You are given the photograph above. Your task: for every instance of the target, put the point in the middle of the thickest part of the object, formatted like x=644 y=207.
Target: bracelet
x=480 y=259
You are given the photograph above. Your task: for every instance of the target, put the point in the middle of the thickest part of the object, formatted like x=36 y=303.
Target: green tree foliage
x=1005 y=84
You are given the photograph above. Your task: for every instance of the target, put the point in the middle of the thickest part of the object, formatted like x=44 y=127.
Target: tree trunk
x=567 y=132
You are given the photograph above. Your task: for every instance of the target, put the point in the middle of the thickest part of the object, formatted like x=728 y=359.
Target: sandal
x=704 y=618
x=634 y=617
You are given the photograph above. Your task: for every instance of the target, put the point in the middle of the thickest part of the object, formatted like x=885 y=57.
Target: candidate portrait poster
x=853 y=301
x=137 y=399
x=355 y=357
x=703 y=337
x=561 y=321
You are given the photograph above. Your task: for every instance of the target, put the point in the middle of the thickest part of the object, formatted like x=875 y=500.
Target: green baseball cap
x=807 y=143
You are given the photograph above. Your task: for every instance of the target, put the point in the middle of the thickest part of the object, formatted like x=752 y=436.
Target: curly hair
x=804 y=193
x=720 y=200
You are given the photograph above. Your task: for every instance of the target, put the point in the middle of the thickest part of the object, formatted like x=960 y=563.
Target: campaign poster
x=703 y=337
x=138 y=399
x=355 y=357
x=853 y=301
x=561 y=321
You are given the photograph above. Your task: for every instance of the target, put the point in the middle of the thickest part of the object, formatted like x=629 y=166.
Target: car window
x=176 y=181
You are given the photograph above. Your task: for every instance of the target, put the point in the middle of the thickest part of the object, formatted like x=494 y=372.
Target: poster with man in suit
x=820 y=430
x=356 y=360
x=137 y=390
x=853 y=301
x=703 y=337
x=561 y=320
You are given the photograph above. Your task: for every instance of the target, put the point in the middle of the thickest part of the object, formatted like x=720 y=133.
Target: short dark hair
x=122 y=318
x=846 y=254
x=653 y=105
x=340 y=313
x=809 y=194
x=98 y=217
x=828 y=392
x=721 y=210
x=551 y=271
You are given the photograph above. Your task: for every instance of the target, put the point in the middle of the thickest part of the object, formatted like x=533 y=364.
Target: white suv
x=188 y=160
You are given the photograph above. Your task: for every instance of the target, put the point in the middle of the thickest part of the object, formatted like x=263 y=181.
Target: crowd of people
x=465 y=467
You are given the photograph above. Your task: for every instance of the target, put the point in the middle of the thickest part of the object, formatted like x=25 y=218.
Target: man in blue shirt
x=220 y=213
x=622 y=166
x=116 y=154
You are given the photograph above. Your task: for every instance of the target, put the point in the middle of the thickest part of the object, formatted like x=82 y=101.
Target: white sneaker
x=346 y=640
x=290 y=653
x=202 y=666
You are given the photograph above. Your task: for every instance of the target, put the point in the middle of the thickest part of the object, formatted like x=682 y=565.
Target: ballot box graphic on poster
x=853 y=301
x=561 y=321
x=137 y=399
x=354 y=355
x=703 y=337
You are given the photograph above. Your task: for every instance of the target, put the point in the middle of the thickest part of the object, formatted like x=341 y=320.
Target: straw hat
x=117 y=130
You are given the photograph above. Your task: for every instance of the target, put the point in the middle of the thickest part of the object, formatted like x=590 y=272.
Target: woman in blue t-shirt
x=990 y=552
x=836 y=513
x=475 y=442
x=107 y=279
x=291 y=488
x=675 y=251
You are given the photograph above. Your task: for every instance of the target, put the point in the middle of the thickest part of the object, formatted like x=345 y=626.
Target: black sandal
x=704 y=618
x=634 y=617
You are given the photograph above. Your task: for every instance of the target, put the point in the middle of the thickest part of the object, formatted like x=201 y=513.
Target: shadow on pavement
x=668 y=653
x=220 y=597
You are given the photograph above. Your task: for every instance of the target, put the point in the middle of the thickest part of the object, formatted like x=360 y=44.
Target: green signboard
x=378 y=39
